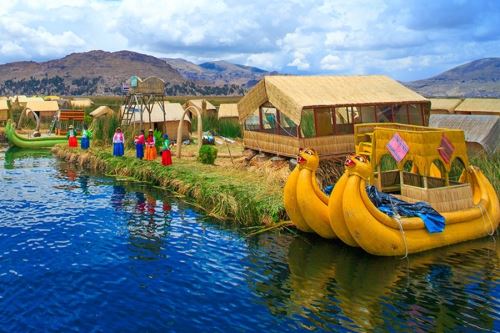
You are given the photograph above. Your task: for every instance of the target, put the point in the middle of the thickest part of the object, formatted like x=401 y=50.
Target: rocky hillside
x=479 y=78
x=102 y=73
x=219 y=72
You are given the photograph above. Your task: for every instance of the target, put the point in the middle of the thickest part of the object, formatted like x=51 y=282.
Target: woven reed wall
x=443 y=199
x=330 y=145
x=4 y=115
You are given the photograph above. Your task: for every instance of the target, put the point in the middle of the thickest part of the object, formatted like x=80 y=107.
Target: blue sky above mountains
x=407 y=40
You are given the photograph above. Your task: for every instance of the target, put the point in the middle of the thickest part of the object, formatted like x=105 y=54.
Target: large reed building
x=4 y=110
x=479 y=106
x=284 y=113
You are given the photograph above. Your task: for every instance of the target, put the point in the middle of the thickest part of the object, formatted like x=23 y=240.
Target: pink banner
x=397 y=147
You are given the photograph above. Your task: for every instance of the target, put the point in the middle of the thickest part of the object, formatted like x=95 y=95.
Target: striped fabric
x=446 y=149
x=397 y=147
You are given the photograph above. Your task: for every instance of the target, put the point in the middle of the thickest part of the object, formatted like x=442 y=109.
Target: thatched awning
x=446 y=104
x=101 y=111
x=228 y=110
x=482 y=129
x=42 y=106
x=3 y=105
x=291 y=94
x=479 y=105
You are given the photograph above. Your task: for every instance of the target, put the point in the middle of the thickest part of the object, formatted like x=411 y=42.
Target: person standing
x=71 y=135
x=118 y=143
x=166 y=155
x=85 y=141
x=139 y=145
x=150 y=147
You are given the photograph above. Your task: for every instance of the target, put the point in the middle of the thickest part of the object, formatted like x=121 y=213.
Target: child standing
x=166 y=156
x=71 y=135
x=150 y=147
x=118 y=143
x=139 y=145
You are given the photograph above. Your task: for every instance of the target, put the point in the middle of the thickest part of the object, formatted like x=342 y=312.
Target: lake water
x=82 y=252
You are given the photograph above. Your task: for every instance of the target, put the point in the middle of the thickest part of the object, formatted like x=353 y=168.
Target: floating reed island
x=249 y=198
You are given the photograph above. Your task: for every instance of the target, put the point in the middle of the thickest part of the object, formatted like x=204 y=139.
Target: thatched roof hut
x=444 y=105
x=284 y=113
x=478 y=106
x=44 y=109
x=204 y=106
x=173 y=114
x=81 y=103
x=228 y=111
x=101 y=111
x=482 y=132
x=4 y=110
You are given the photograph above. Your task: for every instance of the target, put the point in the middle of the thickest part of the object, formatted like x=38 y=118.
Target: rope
x=483 y=209
x=397 y=217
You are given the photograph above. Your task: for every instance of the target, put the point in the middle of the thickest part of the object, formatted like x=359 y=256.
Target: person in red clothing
x=166 y=156
x=71 y=135
x=140 y=141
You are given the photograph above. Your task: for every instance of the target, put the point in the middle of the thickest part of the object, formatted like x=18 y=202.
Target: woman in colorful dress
x=166 y=156
x=118 y=143
x=150 y=147
x=139 y=145
x=85 y=141
x=71 y=135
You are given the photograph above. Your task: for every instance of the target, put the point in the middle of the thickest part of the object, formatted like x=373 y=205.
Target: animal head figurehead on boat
x=358 y=165
x=308 y=159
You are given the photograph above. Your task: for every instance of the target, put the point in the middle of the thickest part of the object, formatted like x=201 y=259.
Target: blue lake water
x=83 y=252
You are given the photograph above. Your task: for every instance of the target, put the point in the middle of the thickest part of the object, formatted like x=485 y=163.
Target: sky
x=407 y=40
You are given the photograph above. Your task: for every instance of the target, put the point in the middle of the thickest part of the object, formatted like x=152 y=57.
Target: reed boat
x=21 y=141
x=413 y=164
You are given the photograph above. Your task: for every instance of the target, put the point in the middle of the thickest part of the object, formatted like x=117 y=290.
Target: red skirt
x=166 y=157
x=72 y=141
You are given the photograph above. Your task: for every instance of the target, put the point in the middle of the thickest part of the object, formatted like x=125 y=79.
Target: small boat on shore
x=414 y=164
x=21 y=141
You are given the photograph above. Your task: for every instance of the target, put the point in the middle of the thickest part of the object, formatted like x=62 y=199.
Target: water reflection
x=332 y=286
x=13 y=153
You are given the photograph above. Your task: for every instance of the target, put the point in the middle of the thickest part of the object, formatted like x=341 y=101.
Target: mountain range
x=479 y=78
x=102 y=73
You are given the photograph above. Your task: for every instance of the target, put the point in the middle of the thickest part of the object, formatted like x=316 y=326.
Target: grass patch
x=490 y=166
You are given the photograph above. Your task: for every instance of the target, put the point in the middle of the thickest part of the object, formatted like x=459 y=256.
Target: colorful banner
x=397 y=147
x=446 y=149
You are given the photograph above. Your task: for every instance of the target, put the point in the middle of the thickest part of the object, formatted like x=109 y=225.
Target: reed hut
x=228 y=111
x=46 y=110
x=205 y=107
x=482 y=132
x=479 y=106
x=169 y=124
x=81 y=103
x=284 y=113
x=4 y=110
x=444 y=105
x=101 y=111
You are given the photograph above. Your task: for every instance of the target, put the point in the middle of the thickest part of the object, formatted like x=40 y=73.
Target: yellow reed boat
x=415 y=164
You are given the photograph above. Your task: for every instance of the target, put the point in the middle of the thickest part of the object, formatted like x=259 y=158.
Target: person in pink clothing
x=118 y=143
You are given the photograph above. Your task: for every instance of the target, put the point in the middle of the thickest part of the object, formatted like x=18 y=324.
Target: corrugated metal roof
x=291 y=94
x=482 y=129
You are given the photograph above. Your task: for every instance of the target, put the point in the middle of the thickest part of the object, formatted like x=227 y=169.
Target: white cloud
x=304 y=36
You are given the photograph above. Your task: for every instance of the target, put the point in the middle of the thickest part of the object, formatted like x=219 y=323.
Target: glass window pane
x=269 y=119
x=384 y=113
x=368 y=114
x=343 y=120
x=415 y=114
x=400 y=114
x=323 y=122
x=286 y=126
x=307 y=124
x=252 y=123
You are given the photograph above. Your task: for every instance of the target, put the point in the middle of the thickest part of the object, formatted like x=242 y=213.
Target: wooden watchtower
x=142 y=96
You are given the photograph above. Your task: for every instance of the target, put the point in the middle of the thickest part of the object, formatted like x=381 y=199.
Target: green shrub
x=207 y=154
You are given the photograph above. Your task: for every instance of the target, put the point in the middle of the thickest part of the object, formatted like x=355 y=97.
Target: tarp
x=386 y=203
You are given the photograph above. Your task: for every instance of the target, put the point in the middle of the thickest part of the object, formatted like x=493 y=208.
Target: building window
x=344 y=120
x=269 y=119
x=252 y=123
x=384 y=114
x=400 y=113
x=307 y=129
x=368 y=114
x=323 y=121
x=286 y=126
x=415 y=114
